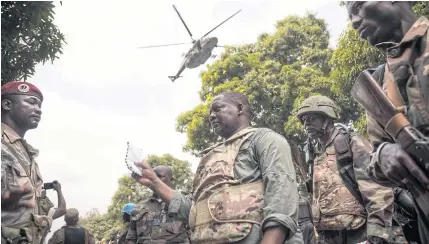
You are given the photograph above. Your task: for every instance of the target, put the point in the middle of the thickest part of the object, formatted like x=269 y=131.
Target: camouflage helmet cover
x=319 y=104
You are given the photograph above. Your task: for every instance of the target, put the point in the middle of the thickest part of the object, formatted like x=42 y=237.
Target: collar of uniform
x=12 y=136
x=10 y=133
x=418 y=29
x=155 y=199
x=237 y=134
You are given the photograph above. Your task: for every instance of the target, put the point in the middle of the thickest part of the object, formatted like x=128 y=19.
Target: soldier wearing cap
x=21 y=180
x=72 y=233
x=127 y=211
x=347 y=206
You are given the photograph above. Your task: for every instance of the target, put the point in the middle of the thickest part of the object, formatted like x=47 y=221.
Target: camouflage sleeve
x=132 y=232
x=378 y=200
x=378 y=137
x=53 y=239
x=180 y=206
x=280 y=189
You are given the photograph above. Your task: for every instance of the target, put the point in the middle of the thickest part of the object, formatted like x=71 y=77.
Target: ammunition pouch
x=231 y=210
x=304 y=212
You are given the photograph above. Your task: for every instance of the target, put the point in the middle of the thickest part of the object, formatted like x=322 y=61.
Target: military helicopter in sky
x=200 y=51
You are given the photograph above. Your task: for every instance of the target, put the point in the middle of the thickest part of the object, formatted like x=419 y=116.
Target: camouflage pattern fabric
x=265 y=156
x=406 y=83
x=150 y=224
x=335 y=208
x=341 y=236
x=19 y=168
x=58 y=237
x=216 y=174
x=122 y=238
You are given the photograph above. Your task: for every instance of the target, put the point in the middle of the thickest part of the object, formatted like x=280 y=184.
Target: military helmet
x=319 y=104
x=128 y=208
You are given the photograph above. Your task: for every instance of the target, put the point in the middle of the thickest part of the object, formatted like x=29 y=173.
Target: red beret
x=20 y=87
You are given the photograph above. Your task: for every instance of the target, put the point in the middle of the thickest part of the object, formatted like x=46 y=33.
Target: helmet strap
x=325 y=124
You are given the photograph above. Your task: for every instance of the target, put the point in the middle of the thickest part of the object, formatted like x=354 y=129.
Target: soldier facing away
x=21 y=182
x=348 y=207
x=150 y=222
x=72 y=232
x=395 y=30
x=244 y=190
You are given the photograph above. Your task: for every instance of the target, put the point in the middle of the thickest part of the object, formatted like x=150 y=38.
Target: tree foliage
x=28 y=37
x=276 y=72
x=130 y=191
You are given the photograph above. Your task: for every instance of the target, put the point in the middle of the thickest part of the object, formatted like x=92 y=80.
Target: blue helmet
x=128 y=208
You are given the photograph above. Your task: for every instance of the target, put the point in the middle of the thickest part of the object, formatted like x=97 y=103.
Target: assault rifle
x=309 y=160
x=368 y=93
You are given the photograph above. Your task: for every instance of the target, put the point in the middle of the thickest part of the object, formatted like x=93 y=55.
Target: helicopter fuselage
x=200 y=52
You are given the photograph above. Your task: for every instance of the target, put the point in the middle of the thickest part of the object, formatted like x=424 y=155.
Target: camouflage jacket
x=412 y=86
x=59 y=236
x=265 y=156
x=122 y=238
x=334 y=202
x=20 y=168
x=150 y=224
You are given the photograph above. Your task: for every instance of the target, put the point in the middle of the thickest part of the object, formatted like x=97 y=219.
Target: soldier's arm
x=53 y=238
x=280 y=190
x=62 y=207
x=180 y=207
x=378 y=200
x=378 y=138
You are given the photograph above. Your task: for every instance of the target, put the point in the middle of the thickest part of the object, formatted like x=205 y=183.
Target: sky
x=104 y=91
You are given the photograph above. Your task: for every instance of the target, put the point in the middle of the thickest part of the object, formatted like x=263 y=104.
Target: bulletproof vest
x=155 y=227
x=406 y=76
x=334 y=206
x=74 y=235
x=223 y=209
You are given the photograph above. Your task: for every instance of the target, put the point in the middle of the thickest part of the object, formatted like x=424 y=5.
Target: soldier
x=395 y=30
x=126 y=217
x=113 y=237
x=20 y=217
x=150 y=223
x=353 y=211
x=245 y=188
x=46 y=207
x=72 y=233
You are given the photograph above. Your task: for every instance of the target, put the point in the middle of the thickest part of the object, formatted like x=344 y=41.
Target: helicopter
x=200 y=51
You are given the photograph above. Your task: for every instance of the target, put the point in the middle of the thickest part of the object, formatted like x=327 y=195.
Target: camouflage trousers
x=341 y=236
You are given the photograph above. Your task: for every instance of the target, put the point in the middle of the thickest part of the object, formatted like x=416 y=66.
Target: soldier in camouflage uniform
x=245 y=188
x=395 y=30
x=342 y=215
x=127 y=211
x=150 y=222
x=21 y=182
x=72 y=233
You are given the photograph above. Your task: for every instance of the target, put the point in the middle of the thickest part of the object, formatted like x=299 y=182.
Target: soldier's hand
x=11 y=197
x=57 y=186
x=148 y=177
x=399 y=167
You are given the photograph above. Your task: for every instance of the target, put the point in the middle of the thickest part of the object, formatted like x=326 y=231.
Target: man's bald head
x=164 y=173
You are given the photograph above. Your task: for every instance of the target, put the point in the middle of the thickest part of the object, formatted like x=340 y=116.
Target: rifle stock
x=369 y=95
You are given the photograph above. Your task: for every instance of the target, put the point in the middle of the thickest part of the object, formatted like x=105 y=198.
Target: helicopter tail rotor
x=166 y=45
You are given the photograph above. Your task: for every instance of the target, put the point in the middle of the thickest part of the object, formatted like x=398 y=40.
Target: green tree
x=28 y=37
x=351 y=56
x=277 y=72
x=131 y=191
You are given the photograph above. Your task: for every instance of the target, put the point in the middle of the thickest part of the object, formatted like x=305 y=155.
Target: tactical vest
x=155 y=227
x=406 y=78
x=36 y=225
x=334 y=207
x=61 y=237
x=223 y=208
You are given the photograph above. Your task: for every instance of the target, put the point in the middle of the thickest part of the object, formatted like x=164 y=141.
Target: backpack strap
x=345 y=163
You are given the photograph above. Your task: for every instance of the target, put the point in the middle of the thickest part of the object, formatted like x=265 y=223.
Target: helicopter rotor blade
x=166 y=45
x=222 y=23
x=177 y=11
